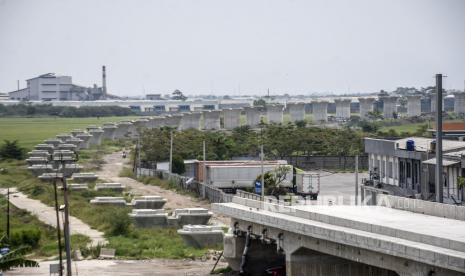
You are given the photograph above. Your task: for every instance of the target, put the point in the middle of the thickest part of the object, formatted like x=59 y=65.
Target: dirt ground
x=114 y=163
x=125 y=268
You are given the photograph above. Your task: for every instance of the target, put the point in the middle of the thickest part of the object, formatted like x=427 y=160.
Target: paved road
x=125 y=268
x=113 y=165
x=47 y=215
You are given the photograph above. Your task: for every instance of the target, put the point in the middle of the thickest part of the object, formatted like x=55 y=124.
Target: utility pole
x=171 y=152
x=138 y=156
x=204 y=169
x=60 y=256
x=8 y=213
x=439 y=178
x=66 y=226
x=262 y=180
x=356 y=179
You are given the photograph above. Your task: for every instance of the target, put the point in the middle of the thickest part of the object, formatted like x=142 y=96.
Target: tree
x=259 y=102
x=11 y=150
x=178 y=95
x=274 y=179
x=178 y=165
x=14 y=258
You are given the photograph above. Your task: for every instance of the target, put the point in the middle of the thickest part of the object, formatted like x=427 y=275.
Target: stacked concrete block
x=389 y=106
x=85 y=137
x=84 y=177
x=296 y=111
x=197 y=216
x=70 y=169
x=78 y=186
x=44 y=147
x=122 y=130
x=459 y=102
x=37 y=160
x=97 y=135
x=190 y=121
x=149 y=218
x=274 y=113
x=58 y=154
x=109 y=130
x=201 y=236
x=211 y=120
x=108 y=200
x=74 y=141
x=39 y=153
x=320 y=111
x=40 y=169
x=69 y=147
x=252 y=115
x=366 y=106
x=231 y=118
x=148 y=202
x=342 y=108
x=413 y=105
x=53 y=142
x=110 y=186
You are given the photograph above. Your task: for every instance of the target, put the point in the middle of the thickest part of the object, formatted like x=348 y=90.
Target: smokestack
x=104 y=83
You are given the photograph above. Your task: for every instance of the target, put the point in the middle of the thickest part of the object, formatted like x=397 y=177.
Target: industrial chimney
x=104 y=83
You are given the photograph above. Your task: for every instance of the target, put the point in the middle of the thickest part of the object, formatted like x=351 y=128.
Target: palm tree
x=14 y=258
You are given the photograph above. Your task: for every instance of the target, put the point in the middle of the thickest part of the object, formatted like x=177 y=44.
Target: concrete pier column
x=366 y=106
x=433 y=102
x=252 y=115
x=274 y=113
x=459 y=102
x=190 y=120
x=297 y=111
x=96 y=138
x=231 y=118
x=342 y=108
x=212 y=119
x=109 y=130
x=413 y=105
x=320 y=111
x=389 y=106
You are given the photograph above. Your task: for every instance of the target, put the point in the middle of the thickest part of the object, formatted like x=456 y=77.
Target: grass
x=407 y=128
x=32 y=131
x=22 y=221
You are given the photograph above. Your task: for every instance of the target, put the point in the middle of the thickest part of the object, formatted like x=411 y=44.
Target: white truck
x=307 y=184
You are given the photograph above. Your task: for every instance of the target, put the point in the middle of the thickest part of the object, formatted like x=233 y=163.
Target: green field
x=410 y=128
x=32 y=131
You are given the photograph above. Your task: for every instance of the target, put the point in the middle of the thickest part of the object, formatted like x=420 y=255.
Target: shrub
x=119 y=222
x=26 y=237
x=11 y=150
x=178 y=165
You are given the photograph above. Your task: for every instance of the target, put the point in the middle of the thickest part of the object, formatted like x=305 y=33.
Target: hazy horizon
x=235 y=47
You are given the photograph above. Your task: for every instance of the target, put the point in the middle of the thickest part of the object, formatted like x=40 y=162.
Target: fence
x=210 y=193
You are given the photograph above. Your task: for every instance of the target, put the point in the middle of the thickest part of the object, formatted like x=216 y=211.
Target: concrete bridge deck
x=404 y=242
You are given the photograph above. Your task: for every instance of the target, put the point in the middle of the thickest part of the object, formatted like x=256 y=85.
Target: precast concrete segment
x=84 y=177
x=211 y=120
x=342 y=108
x=149 y=218
x=97 y=135
x=252 y=115
x=274 y=113
x=390 y=232
x=118 y=187
x=109 y=130
x=201 y=236
x=190 y=121
x=389 y=106
x=366 y=106
x=108 y=200
x=320 y=111
x=148 y=202
x=459 y=102
x=413 y=105
x=231 y=118
x=297 y=111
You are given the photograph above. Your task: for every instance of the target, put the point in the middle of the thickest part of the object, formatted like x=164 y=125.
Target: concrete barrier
x=194 y=216
x=108 y=200
x=148 y=202
x=201 y=236
x=110 y=186
x=149 y=218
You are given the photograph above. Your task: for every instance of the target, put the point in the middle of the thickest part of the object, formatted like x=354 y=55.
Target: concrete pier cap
x=296 y=111
x=274 y=113
x=109 y=130
x=97 y=135
x=212 y=120
x=320 y=111
x=366 y=106
x=232 y=118
x=253 y=115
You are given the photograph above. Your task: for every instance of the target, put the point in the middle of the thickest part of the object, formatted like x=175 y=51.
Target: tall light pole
x=66 y=220
x=439 y=180
x=171 y=152
x=356 y=179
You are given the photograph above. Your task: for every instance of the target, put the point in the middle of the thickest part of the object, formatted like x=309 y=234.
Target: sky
x=235 y=47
